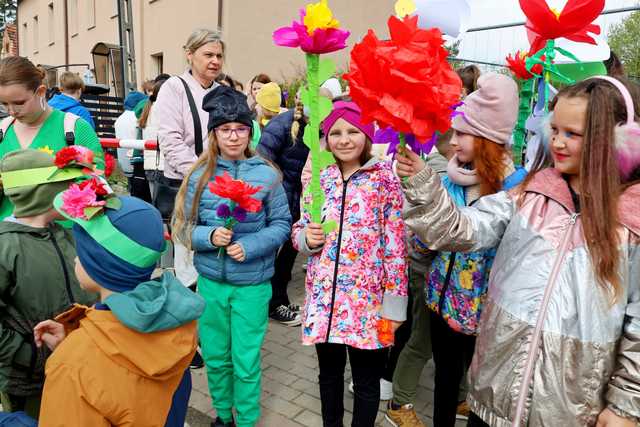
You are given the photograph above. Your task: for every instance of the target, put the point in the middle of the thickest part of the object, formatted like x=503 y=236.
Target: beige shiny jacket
x=553 y=350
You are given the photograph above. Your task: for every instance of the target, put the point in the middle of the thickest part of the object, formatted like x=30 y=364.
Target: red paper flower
x=74 y=155
x=109 y=165
x=404 y=83
x=96 y=185
x=237 y=191
x=517 y=65
x=574 y=22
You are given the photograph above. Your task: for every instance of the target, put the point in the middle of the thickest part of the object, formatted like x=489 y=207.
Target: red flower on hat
x=74 y=155
x=109 y=165
x=574 y=22
x=517 y=65
x=406 y=82
x=237 y=191
x=96 y=185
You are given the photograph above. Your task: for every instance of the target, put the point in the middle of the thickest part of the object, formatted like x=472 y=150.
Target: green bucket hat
x=31 y=181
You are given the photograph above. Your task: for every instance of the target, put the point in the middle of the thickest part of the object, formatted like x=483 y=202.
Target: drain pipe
x=65 y=13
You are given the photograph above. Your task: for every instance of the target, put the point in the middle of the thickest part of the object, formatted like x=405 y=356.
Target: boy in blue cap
x=121 y=360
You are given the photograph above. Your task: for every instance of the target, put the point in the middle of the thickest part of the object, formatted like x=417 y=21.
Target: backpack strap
x=197 y=126
x=4 y=126
x=70 y=128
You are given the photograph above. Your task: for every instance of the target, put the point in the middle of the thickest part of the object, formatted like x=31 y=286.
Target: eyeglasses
x=241 y=132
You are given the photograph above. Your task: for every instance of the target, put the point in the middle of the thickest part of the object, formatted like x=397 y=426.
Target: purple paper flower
x=391 y=137
x=456 y=112
x=223 y=211
x=322 y=40
x=239 y=214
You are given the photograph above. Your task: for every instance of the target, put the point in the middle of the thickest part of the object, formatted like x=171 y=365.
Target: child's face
x=346 y=141
x=233 y=139
x=86 y=282
x=567 y=130
x=462 y=145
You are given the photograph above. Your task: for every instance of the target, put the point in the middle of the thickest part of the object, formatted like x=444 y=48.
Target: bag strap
x=197 y=126
x=70 y=128
x=4 y=126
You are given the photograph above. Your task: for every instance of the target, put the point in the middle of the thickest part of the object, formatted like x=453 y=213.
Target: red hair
x=489 y=164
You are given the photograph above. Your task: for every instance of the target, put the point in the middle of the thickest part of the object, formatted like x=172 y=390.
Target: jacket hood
x=11 y=225
x=63 y=102
x=229 y=164
x=156 y=305
x=550 y=183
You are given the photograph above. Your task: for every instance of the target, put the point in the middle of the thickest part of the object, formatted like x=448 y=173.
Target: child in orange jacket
x=121 y=360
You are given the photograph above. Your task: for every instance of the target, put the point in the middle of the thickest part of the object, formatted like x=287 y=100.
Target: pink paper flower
x=76 y=199
x=321 y=40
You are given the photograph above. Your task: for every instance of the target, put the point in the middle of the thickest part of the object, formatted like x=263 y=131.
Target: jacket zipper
x=224 y=258
x=447 y=282
x=64 y=268
x=335 y=272
x=535 y=341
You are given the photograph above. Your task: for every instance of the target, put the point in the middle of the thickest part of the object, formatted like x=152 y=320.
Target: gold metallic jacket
x=553 y=348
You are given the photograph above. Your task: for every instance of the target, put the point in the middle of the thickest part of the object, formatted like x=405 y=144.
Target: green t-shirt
x=50 y=138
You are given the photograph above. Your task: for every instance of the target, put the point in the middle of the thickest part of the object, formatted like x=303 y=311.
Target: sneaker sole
x=288 y=322
x=390 y=421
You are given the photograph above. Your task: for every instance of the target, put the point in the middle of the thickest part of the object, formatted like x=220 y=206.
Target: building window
x=91 y=13
x=158 y=63
x=52 y=24
x=36 y=31
x=73 y=17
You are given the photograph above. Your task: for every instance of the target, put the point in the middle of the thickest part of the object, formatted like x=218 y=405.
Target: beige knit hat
x=492 y=110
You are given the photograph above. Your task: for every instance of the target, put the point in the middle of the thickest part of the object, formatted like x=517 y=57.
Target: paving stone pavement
x=290 y=393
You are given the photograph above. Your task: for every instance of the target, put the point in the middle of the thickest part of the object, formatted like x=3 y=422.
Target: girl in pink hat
x=357 y=273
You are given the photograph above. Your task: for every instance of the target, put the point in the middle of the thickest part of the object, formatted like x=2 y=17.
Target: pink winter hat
x=492 y=110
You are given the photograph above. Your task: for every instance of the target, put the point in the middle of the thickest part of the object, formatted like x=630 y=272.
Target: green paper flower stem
x=228 y=224
x=524 y=111
x=313 y=138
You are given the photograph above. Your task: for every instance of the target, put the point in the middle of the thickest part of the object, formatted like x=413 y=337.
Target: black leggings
x=366 y=368
x=476 y=421
x=452 y=354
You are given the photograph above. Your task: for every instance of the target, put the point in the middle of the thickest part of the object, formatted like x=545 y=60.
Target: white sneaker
x=386 y=389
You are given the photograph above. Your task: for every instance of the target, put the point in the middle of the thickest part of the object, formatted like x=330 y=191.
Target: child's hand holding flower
x=409 y=163
x=314 y=235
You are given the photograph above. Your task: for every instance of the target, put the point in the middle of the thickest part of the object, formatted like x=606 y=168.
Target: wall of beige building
x=161 y=28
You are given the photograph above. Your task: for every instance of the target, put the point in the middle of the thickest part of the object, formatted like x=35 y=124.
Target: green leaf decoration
x=326 y=70
x=308 y=139
x=92 y=211
x=324 y=107
x=113 y=203
x=325 y=158
x=329 y=226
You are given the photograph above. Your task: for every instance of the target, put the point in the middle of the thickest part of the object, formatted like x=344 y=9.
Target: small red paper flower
x=109 y=165
x=574 y=22
x=74 y=155
x=404 y=83
x=96 y=185
x=237 y=191
x=517 y=65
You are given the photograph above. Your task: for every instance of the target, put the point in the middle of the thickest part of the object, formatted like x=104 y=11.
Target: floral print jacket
x=360 y=274
x=456 y=283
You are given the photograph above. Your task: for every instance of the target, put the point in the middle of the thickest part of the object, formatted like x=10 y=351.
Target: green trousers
x=232 y=329
x=30 y=405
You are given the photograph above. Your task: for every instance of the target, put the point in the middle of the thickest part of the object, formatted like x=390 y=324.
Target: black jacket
x=277 y=146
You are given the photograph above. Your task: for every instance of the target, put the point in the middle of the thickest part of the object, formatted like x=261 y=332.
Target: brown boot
x=405 y=416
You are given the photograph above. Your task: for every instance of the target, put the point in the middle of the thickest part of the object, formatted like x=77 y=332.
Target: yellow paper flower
x=319 y=16
x=46 y=149
x=405 y=8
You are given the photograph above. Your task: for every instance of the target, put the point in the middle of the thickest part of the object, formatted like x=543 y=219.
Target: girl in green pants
x=234 y=265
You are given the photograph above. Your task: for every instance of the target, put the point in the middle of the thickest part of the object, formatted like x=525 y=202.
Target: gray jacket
x=552 y=350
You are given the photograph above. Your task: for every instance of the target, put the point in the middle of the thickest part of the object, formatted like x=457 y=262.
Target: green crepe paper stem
x=402 y=147
x=549 y=68
x=524 y=111
x=228 y=224
x=313 y=139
